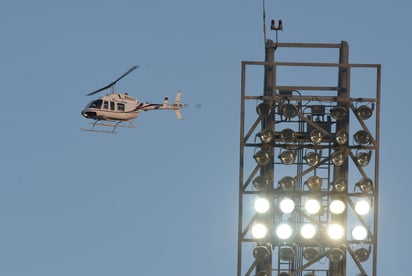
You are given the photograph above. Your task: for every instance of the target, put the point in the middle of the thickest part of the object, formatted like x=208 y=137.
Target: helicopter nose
x=88 y=114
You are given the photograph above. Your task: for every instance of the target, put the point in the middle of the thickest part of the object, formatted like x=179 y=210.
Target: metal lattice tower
x=304 y=146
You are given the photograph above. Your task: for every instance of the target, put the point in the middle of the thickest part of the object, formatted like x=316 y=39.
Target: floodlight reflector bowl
x=264 y=109
x=262 y=157
x=287 y=157
x=314 y=183
x=287 y=183
x=308 y=231
x=338 y=113
x=312 y=206
x=339 y=185
x=341 y=137
x=311 y=254
x=337 y=206
x=261 y=252
x=362 y=137
x=362 y=207
x=288 y=110
x=365 y=185
x=335 y=231
x=363 y=158
x=286 y=205
x=262 y=205
x=267 y=136
x=316 y=136
x=312 y=158
x=287 y=135
x=336 y=254
x=286 y=253
x=361 y=254
x=364 y=112
x=338 y=158
x=259 y=231
x=261 y=182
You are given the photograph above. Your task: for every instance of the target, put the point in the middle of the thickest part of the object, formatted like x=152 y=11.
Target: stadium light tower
x=309 y=159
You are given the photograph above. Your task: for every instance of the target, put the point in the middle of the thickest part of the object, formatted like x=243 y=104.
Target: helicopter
x=116 y=108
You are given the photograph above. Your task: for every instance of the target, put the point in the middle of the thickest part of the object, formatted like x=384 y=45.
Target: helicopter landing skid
x=113 y=125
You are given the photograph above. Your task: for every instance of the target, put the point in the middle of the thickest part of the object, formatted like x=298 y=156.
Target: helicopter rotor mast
x=114 y=82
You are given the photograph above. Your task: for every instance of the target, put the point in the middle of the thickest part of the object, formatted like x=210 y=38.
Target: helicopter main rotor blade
x=113 y=83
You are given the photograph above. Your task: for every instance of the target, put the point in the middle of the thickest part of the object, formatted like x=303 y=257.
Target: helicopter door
x=112 y=106
x=105 y=105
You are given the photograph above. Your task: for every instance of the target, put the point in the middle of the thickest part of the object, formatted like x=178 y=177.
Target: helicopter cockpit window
x=96 y=104
x=120 y=106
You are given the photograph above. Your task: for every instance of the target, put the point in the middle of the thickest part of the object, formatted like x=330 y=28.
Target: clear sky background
x=162 y=198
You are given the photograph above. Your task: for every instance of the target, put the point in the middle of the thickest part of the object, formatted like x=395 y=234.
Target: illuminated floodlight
x=286 y=205
x=337 y=206
x=338 y=158
x=312 y=206
x=308 y=231
x=362 y=137
x=363 y=158
x=339 y=185
x=312 y=158
x=284 y=231
x=267 y=136
x=287 y=135
x=336 y=254
x=287 y=157
x=316 y=136
x=261 y=205
x=314 y=183
x=261 y=252
x=311 y=254
x=259 y=231
x=364 y=112
x=361 y=254
x=359 y=233
x=287 y=183
x=335 y=231
x=261 y=182
x=362 y=207
x=288 y=110
x=365 y=185
x=262 y=157
x=341 y=137
x=286 y=253
x=338 y=113
x=264 y=109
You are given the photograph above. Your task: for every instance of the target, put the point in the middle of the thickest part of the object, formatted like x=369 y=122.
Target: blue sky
x=163 y=198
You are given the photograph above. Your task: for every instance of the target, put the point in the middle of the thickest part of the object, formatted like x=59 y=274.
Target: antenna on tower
x=264 y=21
x=277 y=29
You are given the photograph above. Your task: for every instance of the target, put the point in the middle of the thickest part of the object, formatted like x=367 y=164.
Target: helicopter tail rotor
x=114 y=82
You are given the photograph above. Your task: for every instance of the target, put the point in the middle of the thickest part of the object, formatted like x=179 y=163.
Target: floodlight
x=264 y=109
x=287 y=205
x=362 y=207
x=310 y=274
x=362 y=137
x=288 y=110
x=308 y=231
x=338 y=113
x=363 y=158
x=364 y=112
x=262 y=205
x=287 y=135
x=361 y=254
x=336 y=254
x=261 y=252
x=312 y=158
x=262 y=273
x=284 y=274
x=267 y=136
x=338 y=158
x=287 y=183
x=312 y=206
x=335 y=231
x=262 y=157
x=341 y=137
x=339 y=185
x=311 y=254
x=259 y=231
x=286 y=253
x=314 y=183
x=365 y=185
x=337 y=206
x=316 y=136
x=284 y=231
x=261 y=182
x=287 y=157
x=359 y=233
